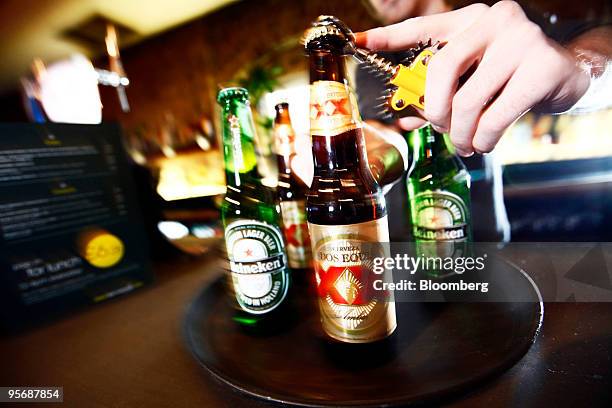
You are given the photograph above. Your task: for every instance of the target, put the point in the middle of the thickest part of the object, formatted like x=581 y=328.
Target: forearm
x=594 y=49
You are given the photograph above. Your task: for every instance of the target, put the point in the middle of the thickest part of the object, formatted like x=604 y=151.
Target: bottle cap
x=232 y=92
x=327 y=29
x=282 y=105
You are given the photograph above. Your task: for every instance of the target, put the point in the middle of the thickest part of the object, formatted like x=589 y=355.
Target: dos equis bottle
x=439 y=195
x=346 y=211
x=292 y=194
x=258 y=267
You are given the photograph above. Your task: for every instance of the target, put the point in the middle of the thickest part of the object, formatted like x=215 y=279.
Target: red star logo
x=296 y=234
x=248 y=252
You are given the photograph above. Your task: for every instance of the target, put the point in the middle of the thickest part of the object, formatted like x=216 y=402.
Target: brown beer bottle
x=292 y=196
x=345 y=207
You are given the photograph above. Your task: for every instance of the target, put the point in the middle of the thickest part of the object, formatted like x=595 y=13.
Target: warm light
x=111 y=41
x=173 y=229
x=138 y=157
x=38 y=69
x=203 y=231
x=577 y=137
x=202 y=142
x=69 y=92
x=197 y=174
x=168 y=151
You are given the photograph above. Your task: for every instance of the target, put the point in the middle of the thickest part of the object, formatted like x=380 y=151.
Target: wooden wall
x=178 y=71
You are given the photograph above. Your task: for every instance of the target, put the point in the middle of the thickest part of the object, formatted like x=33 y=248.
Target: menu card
x=71 y=231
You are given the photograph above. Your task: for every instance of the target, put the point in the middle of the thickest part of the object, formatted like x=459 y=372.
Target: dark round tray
x=439 y=349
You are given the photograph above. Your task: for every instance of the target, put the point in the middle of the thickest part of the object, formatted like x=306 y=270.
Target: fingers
x=444 y=70
x=409 y=32
x=502 y=56
x=524 y=89
x=542 y=71
x=411 y=122
x=494 y=70
x=515 y=68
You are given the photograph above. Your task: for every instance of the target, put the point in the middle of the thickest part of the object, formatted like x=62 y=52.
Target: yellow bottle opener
x=410 y=83
x=408 y=80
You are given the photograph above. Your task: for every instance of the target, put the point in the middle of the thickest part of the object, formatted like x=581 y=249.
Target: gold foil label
x=331 y=111
x=351 y=310
x=295 y=229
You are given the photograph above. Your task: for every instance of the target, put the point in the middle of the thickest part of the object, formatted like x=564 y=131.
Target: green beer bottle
x=257 y=259
x=439 y=196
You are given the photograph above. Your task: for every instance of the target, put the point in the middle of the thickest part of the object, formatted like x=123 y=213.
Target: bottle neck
x=284 y=165
x=284 y=139
x=337 y=141
x=327 y=65
x=239 y=146
x=282 y=114
x=427 y=143
x=338 y=153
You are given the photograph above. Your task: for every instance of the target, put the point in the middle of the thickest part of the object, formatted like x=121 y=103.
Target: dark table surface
x=130 y=353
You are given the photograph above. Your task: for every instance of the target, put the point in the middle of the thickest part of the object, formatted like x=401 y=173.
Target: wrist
x=597 y=69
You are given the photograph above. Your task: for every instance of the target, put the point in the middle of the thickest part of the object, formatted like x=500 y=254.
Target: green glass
x=439 y=196
x=259 y=273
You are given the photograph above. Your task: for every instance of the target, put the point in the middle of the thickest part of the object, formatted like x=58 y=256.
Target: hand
x=511 y=66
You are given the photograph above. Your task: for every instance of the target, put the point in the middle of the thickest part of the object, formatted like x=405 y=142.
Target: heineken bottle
x=439 y=196
x=257 y=261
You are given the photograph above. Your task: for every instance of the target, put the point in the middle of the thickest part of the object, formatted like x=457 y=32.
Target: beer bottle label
x=439 y=216
x=331 y=112
x=295 y=229
x=257 y=265
x=284 y=140
x=351 y=310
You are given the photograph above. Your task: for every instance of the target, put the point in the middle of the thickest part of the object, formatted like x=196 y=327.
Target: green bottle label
x=257 y=264
x=440 y=216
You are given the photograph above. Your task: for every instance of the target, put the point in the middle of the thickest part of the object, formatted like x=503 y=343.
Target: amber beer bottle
x=346 y=211
x=292 y=196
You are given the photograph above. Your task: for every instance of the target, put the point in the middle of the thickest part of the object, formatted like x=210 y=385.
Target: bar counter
x=130 y=352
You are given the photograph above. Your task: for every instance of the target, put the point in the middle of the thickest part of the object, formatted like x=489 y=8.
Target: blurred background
x=159 y=65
